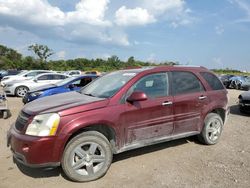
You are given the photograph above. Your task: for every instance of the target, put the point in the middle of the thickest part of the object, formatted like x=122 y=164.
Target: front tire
x=21 y=91
x=87 y=157
x=212 y=129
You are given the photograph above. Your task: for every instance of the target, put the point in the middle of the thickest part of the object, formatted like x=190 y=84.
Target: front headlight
x=9 y=85
x=35 y=94
x=44 y=125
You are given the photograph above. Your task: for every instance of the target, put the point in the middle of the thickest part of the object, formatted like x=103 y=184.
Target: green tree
x=42 y=51
x=9 y=53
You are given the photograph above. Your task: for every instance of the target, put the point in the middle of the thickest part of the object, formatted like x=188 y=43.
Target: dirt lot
x=181 y=163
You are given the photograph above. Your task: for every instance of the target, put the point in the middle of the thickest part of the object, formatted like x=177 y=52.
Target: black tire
x=83 y=157
x=209 y=134
x=18 y=92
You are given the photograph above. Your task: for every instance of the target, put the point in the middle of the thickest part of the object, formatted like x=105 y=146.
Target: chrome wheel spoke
x=90 y=168
x=98 y=158
x=80 y=152
x=79 y=164
x=92 y=148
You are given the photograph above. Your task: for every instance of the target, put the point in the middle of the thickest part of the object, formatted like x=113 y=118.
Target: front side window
x=212 y=80
x=154 y=85
x=185 y=82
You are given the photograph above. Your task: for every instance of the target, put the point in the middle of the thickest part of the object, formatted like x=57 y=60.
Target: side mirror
x=35 y=80
x=137 y=96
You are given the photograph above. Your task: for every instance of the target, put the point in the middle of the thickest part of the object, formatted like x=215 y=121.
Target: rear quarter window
x=212 y=81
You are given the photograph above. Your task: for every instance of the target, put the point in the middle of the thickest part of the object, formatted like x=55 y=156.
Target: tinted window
x=58 y=77
x=154 y=85
x=212 y=80
x=82 y=82
x=45 y=77
x=185 y=82
x=31 y=74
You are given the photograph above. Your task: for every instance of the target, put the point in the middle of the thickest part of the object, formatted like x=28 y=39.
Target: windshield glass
x=106 y=86
x=22 y=73
x=65 y=81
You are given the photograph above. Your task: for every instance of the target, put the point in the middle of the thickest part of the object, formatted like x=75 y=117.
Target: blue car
x=67 y=85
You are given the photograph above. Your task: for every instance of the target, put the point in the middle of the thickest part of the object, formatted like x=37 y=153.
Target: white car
x=73 y=73
x=21 y=87
x=24 y=75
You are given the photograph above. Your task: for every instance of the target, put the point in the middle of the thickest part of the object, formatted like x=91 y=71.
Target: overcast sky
x=215 y=34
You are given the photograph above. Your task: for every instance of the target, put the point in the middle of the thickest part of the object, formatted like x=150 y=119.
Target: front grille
x=21 y=121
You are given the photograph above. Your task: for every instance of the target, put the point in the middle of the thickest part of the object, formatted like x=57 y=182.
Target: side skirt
x=153 y=141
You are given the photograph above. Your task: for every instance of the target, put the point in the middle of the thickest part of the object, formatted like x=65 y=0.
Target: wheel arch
x=106 y=130
x=221 y=112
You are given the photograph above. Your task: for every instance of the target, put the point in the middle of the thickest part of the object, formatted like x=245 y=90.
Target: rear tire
x=87 y=157
x=212 y=129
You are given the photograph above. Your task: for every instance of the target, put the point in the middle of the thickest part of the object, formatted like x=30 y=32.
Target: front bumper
x=9 y=90
x=33 y=151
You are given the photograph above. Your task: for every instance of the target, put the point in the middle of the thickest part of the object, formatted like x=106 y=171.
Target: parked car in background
x=11 y=72
x=67 y=85
x=244 y=102
x=24 y=75
x=119 y=111
x=236 y=82
x=73 y=73
x=226 y=79
x=93 y=72
x=21 y=87
x=245 y=85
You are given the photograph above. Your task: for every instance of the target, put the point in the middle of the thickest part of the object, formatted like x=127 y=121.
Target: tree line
x=11 y=59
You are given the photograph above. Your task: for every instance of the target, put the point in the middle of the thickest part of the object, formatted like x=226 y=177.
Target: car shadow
x=57 y=171
x=234 y=109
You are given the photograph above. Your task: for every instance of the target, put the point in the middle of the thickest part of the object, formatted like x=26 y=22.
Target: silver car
x=20 y=88
x=24 y=75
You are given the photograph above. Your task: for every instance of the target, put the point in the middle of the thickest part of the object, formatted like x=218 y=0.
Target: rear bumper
x=33 y=151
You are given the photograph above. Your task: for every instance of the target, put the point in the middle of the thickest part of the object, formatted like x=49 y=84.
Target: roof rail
x=190 y=66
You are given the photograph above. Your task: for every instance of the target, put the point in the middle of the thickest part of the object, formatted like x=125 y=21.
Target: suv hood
x=64 y=104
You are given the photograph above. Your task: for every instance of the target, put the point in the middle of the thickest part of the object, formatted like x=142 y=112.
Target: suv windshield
x=108 y=85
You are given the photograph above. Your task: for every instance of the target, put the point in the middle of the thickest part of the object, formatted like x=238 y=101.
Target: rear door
x=152 y=118
x=189 y=99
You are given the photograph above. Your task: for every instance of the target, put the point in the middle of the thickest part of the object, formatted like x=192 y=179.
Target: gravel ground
x=180 y=163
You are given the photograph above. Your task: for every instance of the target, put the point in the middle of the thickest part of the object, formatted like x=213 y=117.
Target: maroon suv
x=120 y=111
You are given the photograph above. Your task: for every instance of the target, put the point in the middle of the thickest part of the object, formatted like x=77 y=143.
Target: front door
x=152 y=118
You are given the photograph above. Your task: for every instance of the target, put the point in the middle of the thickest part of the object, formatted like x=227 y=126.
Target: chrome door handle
x=167 y=103
x=202 y=97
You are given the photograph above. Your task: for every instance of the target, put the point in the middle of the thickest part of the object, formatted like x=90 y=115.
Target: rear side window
x=58 y=77
x=45 y=77
x=212 y=80
x=185 y=82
